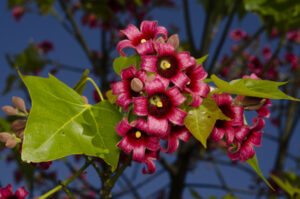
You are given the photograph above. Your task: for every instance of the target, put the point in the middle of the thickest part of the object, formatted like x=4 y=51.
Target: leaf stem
x=66 y=182
x=96 y=87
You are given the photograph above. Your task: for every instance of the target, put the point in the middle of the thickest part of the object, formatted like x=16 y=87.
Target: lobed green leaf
x=121 y=63
x=252 y=87
x=201 y=59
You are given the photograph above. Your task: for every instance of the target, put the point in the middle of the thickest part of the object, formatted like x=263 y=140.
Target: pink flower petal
x=145 y=48
x=229 y=132
x=223 y=99
x=263 y=112
x=180 y=79
x=185 y=60
x=142 y=75
x=203 y=89
x=140 y=106
x=176 y=97
x=124 y=100
x=125 y=145
x=124 y=44
x=197 y=100
x=155 y=86
x=259 y=124
x=157 y=127
x=131 y=32
x=153 y=143
x=173 y=144
x=150 y=156
x=148 y=28
x=160 y=30
x=241 y=132
x=176 y=116
x=21 y=193
x=149 y=63
x=217 y=134
x=142 y=125
x=255 y=138
x=183 y=133
x=238 y=116
x=6 y=192
x=163 y=80
x=128 y=73
x=139 y=153
x=164 y=49
x=123 y=127
x=247 y=152
x=118 y=87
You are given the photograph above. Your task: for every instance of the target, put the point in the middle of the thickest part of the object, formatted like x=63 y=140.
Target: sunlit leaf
x=61 y=124
x=195 y=194
x=286 y=186
x=80 y=85
x=200 y=121
x=229 y=196
x=201 y=59
x=122 y=62
x=110 y=97
x=254 y=164
x=252 y=87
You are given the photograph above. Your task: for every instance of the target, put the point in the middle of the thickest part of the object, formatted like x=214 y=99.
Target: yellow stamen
x=138 y=134
x=159 y=104
x=165 y=64
x=188 y=83
x=143 y=40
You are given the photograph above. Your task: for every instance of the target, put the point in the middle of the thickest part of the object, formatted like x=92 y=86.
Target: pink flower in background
x=141 y=40
x=17 y=13
x=45 y=46
x=136 y=138
x=255 y=64
x=131 y=85
x=238 y=35
x=168 y=65
x=293 y=36
x=266 y=51
x=90 y=19
x=160 y=106
x=291 y=59
x=6 y=193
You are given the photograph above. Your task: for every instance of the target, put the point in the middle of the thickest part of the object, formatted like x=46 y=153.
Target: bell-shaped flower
x=6 y=193
x=136 y=139
x=141 y=40
x=160 y=106
x=168 y=65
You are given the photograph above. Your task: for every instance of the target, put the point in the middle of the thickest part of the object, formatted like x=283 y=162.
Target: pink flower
x=132 y=84
x=142 y=40
x=168 y=65
x=223 y=127
x=17 y=13
x=245 y=140
x=160 y=106
x=149 y=157
x=266 y=51
x=45 y=46
x=6 y=193
x=195 y=86
x=176 y=133
x=255 y=64
x=291 y=59
x=90 y=20
x=238 y=34
x=136 y=138
x=293 y=36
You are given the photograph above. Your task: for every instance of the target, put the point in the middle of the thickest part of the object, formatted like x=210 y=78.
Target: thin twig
x=188 y=26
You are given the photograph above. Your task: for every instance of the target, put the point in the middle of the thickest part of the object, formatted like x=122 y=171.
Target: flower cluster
x=6 y=193
x=153 y=93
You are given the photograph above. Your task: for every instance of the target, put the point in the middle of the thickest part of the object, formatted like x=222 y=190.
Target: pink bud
x=11 y=143
x=18 y=125
x=174 y=41
x=136 y=85
x=150 y=78
x=19 y=103
x=4 y=136
x=20 y=134
x=9 y=110
x=160 y=40
x=85 y=99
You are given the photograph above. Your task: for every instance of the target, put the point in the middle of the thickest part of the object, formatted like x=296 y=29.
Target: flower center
x=138 y=134
x=159 y=105
x=167 y=66
x=143 y=41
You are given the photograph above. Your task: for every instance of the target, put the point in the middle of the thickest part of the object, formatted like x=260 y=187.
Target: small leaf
x=201 y=121
x=110 y=97
x=201 y=59
x=61 y=124
x=80 y=85
x=10 y=80
x=121 y=63
x=286 y=186
x=229 y=196
x=254 y=164
x=195 y=194
x=252 y=87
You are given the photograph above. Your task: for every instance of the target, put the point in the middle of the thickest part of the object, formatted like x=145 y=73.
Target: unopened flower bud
x=85 y=99
x=11 y=143
x=160 y=40
x=150 y=78
x=9 y=110
x=19 y=103
x=4 y=136
x=174 y=41
x=253 y=103
x=18 y=125
x=136 y=85
x=20 y=134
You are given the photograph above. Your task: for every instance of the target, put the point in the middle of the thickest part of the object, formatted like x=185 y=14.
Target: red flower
x=195 y=86
x=168 y=65
x=6 y=193
x=141 y=41
x=130 y=87
x=160 y=106
x=223 y=127
x=17 y=13
x=90 y=19
x=149 y=157
x=45 y=46
x=136 y=138
x=238 y=34
x=245 y=140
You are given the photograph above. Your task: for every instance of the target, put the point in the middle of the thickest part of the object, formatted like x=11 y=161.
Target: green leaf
x=229 y=196
x=195 y=194
x=286 y=186
x=45 y=5
x=4 y=125
x=201 y=59
x=110 y=97
x=98 y=8
x=121 y=63
x=201 y=121
x=61 y=124
x=252 y=87
x=80 y=85
x=254 y=164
